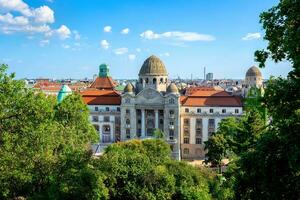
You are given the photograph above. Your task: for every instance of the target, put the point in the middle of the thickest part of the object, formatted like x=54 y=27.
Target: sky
x=71 y=38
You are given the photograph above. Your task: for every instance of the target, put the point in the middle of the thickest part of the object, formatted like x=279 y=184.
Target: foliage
x=144 y=170
x=35 y=142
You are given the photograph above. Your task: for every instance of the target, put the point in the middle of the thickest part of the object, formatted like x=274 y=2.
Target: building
x=209 y=76
x=153 y=102
x=201 y=111
x=253 y=81
x=104 y=103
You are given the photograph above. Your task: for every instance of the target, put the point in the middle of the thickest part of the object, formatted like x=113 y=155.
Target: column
x=143 y=122
x=205 y=129
x=156 y=119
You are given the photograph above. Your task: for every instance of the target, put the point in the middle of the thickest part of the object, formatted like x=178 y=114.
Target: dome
x=253 y=71
x=172 y=88
x=153 y=66
x=128 y=88
x=63 y=92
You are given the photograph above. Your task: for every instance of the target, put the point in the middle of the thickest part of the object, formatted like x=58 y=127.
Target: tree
x=144 y=170
x=271 y=170
x=40 y=141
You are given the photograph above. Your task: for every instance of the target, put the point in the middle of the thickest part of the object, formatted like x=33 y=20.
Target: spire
x=104 y=70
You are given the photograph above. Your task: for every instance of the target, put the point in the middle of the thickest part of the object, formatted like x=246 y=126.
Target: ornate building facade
x=187 y=120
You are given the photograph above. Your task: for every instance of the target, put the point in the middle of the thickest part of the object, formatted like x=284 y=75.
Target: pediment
x=149 y=96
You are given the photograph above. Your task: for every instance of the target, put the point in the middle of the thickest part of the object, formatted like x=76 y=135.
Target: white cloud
x=252 y=36
x=125 y=31
x=43 y=14
x=177 y=35
x=138 y=50
x=76 y=35
x=11 y=20
x=65 y=46
x=44 y=43
x=104 y=44
x=107 y=29
x=121 y=51
x=167 y=54
x=131 y=56
x=63 y=32
x=15 y=5
x=19 y=17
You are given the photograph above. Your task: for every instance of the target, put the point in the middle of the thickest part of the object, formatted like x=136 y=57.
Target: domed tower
x=253 y=77
x=63 y=92
x=104 y=70
x=153 y=74
x=129 y=88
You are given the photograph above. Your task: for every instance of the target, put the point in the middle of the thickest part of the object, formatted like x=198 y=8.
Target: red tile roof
x=209 y=97
x=103 y=83
x=101 y=97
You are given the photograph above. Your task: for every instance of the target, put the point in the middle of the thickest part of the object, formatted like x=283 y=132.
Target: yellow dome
x=129 y=88
x=153 y=66
x=253 y=71
x=172 y=88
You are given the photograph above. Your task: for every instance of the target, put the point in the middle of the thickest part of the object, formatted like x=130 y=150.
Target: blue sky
x=70 y=38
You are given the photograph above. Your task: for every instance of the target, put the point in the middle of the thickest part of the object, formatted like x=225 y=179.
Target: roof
x=210 y=98
x=103 y=83
x=153 y=66
x=253 y=71
x=172 y=88
x=101 y=97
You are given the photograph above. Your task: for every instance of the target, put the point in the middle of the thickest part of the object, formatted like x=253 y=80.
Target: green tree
x=41 y=143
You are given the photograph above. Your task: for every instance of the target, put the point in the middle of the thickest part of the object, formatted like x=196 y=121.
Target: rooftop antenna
x=204 y=74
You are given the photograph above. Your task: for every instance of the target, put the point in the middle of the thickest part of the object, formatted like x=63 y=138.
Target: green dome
x=63 y=92
x=104 y=70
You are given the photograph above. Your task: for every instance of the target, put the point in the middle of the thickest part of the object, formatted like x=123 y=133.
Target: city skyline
x=70 y=39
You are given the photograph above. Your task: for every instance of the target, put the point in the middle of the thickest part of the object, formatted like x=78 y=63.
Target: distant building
x=253 y=81
x=209 y=76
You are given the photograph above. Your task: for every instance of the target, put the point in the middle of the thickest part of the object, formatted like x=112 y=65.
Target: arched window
x=154 y=81
x=127 y=121
x=166 y=80
x=171 y=101
x=147 y=80
x=161 y=80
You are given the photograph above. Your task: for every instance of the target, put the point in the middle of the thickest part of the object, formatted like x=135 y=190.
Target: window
x=161 y=80
x=171 y=112
x=118 y=109
x=171 y=101
x=95 y=118
x=106 y=129
x=211 y=122
x=106 y=119
x=187 y=110
x=127 y=111
x=127 y=133
x=171 y=134
x=186 y=140
x=96 y=127
x=127 y=100
x=199 y=110
x=139 y=133
x=186 y=151
x=198 y=122
x=186 y=122
x=223 y=110
x=107 y=109
x=96 y=108
x=171 y=123
x=154 y=81
x=186 y=131
x=161 y=121
x=141 y=80
x=147 y=80
x=127 y=121
x=139 y=121
x=211 y=110
x=198 y=141
x=236 y=111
